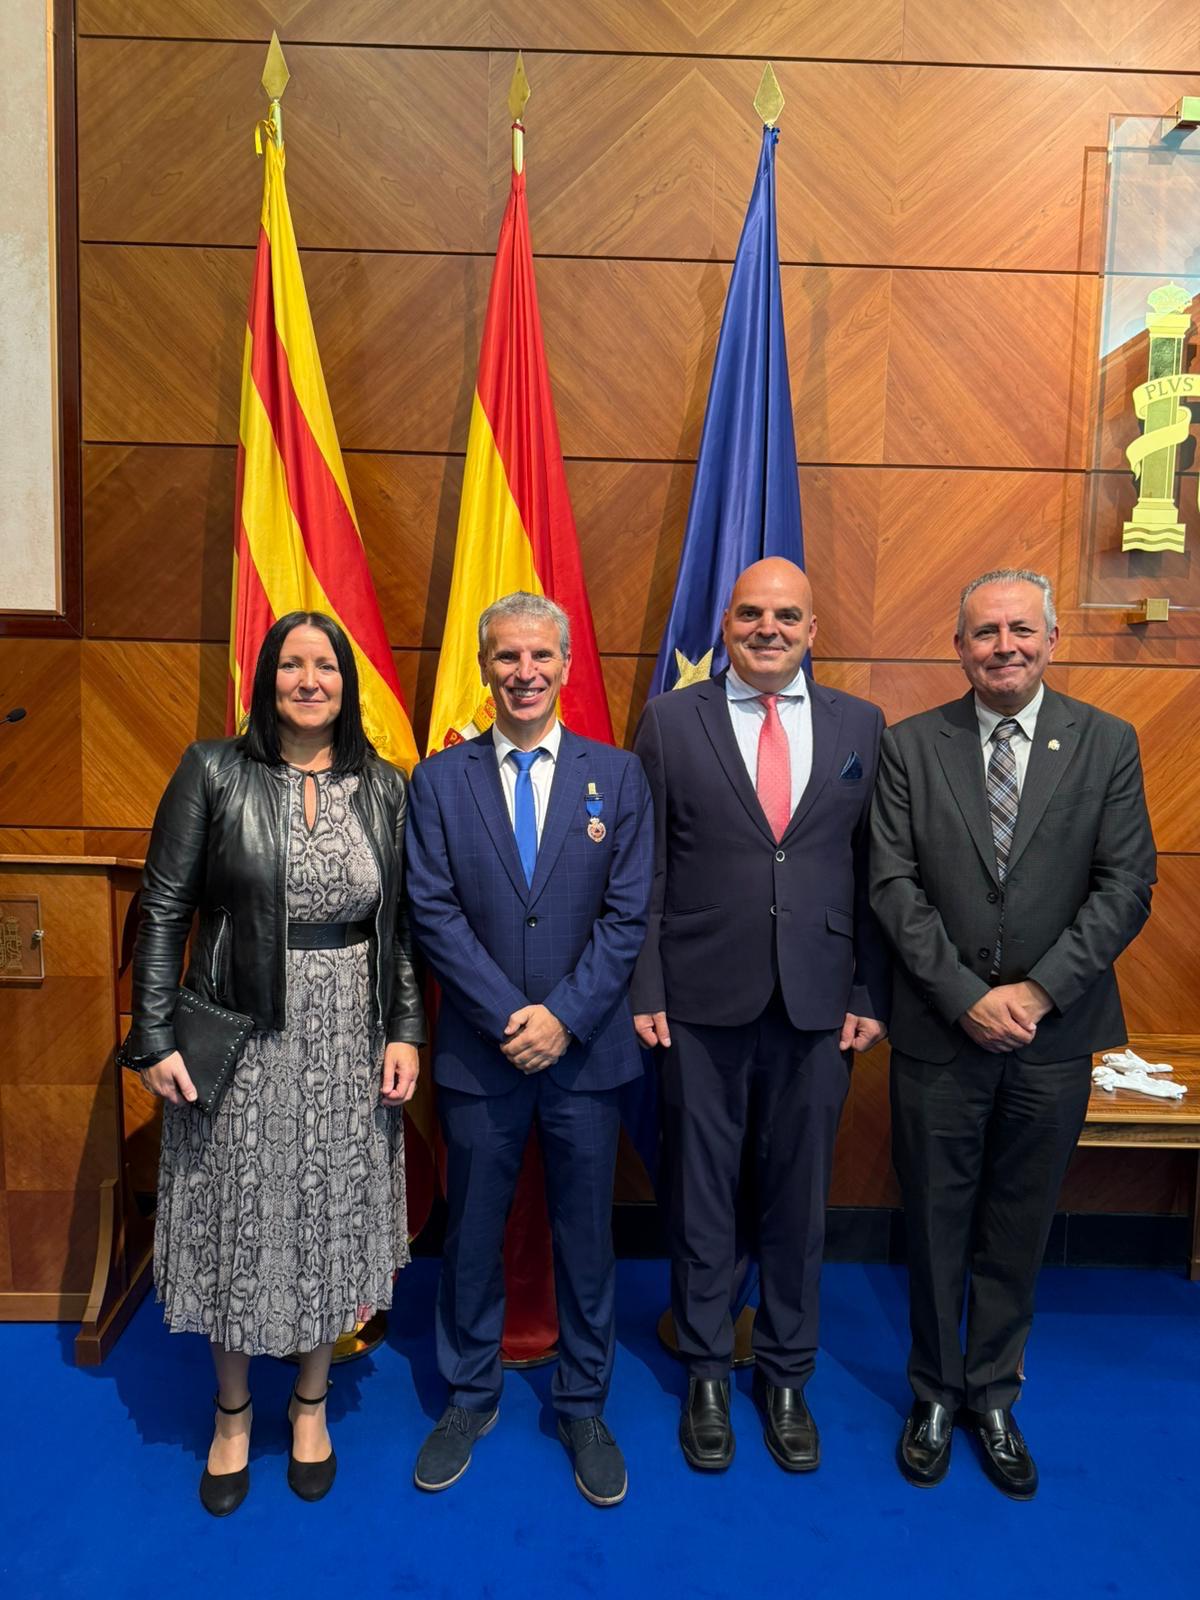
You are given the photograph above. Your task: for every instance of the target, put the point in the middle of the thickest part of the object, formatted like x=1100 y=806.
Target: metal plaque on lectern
x=21 y=939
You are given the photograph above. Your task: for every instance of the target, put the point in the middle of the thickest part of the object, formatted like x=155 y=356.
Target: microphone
x=15 y=715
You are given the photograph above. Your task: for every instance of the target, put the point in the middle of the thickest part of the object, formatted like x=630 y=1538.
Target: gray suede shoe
x=446 y=1454
x=600 y=1474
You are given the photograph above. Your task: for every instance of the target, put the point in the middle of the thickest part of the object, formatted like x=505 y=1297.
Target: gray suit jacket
x=1079 y=876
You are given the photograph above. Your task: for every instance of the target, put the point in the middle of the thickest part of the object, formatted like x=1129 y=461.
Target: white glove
x=1129 y=1061
x=1140 y=1082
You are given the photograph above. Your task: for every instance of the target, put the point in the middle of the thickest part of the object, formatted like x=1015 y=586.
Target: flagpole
x=518 y=98
x=768 y=102
x=365 y=1336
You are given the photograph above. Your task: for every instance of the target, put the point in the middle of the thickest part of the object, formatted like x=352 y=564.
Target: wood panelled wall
x=940 y=190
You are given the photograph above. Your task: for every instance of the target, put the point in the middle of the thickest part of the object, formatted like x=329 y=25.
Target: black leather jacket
x=219 y=847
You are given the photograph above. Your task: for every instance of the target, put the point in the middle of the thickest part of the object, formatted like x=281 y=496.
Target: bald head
x=769 y=624
x=774 y=573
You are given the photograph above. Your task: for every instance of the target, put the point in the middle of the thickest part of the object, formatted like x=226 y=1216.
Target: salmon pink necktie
x=773 y=776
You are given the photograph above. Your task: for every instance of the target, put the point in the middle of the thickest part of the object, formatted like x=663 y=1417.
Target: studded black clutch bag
x=210 y=1040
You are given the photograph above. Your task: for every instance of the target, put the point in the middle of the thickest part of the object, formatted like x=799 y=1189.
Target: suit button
x=531 y=922
x=780 y=856
x=774 y=911
x=984 y=952
x=992 y=897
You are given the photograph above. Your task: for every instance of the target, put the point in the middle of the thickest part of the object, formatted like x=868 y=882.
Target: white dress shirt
x=1022 y=740
x=747 y=714
x=541 y=773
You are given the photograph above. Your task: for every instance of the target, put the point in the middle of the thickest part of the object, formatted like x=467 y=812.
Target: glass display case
x=1141 y=511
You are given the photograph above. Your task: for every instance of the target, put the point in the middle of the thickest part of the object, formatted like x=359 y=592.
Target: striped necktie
x=1003 y=799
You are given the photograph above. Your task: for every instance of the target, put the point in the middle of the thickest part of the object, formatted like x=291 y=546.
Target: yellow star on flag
x=693 y=672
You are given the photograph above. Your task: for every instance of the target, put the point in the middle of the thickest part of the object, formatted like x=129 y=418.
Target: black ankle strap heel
x=302 y=1401
x=223 y=1492
x=230 y=1411
x=311 y=1480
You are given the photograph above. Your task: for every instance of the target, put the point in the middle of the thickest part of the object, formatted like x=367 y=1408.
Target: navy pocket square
x=853 y=767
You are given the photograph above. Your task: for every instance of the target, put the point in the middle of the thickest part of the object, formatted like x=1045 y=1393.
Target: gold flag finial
x=768 y=100
x=275 y=74
x=518 y=99
x=274 y=80
x=518 y=90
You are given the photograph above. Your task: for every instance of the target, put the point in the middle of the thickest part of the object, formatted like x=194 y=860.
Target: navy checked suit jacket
x=567 y=941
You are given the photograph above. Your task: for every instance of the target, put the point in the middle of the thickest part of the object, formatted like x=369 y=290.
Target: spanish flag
x=296 y=541
x=515 y=528
x=516 y=531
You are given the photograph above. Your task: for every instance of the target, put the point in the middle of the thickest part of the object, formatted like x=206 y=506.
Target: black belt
x=327 y=935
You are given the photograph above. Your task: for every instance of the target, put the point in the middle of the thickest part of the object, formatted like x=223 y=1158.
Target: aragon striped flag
x=296 y=539
x=297 y=545
x=516 y=531
x=515 y=527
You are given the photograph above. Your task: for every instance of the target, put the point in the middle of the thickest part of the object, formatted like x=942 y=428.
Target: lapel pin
x=1053 y=744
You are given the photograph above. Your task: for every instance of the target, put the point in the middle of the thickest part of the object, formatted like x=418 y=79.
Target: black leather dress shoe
x=1006 y=1457
x=705 y=1431
x=788 y=1428
x=924 y=1449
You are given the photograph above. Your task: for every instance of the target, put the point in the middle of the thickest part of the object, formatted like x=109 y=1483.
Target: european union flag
x=746 y=495
x=745 y=505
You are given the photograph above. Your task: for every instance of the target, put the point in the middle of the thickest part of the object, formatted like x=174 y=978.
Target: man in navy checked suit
x=530 y=854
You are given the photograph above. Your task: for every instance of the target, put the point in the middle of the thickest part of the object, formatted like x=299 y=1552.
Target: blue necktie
x=524 y=815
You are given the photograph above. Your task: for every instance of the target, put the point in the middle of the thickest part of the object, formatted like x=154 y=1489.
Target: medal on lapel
x=594 y=802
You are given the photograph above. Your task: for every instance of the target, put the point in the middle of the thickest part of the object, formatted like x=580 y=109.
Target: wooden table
x=1133 y=1120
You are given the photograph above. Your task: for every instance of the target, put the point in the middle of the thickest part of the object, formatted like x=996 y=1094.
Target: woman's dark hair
x=260 y=735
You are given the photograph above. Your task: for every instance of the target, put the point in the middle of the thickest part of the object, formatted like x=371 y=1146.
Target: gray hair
x=1011 y=575
x=523 y=604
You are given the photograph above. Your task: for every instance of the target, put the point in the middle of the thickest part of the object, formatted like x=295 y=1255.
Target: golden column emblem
x=1166 y=423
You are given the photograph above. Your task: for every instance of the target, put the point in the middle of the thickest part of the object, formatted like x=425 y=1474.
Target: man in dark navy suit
x=529 y=863
x=762 y=972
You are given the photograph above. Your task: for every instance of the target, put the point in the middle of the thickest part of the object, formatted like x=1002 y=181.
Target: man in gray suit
x=1011 y=863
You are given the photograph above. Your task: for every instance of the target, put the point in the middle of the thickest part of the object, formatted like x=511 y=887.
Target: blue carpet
x=99 y=1470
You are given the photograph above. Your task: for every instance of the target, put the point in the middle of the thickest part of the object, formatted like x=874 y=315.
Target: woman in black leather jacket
x=281 y=1217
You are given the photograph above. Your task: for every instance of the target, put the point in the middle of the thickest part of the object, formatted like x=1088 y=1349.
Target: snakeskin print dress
x=282 y=1218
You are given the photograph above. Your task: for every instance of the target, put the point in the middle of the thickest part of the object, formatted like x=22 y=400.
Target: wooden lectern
x=76 y=1144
